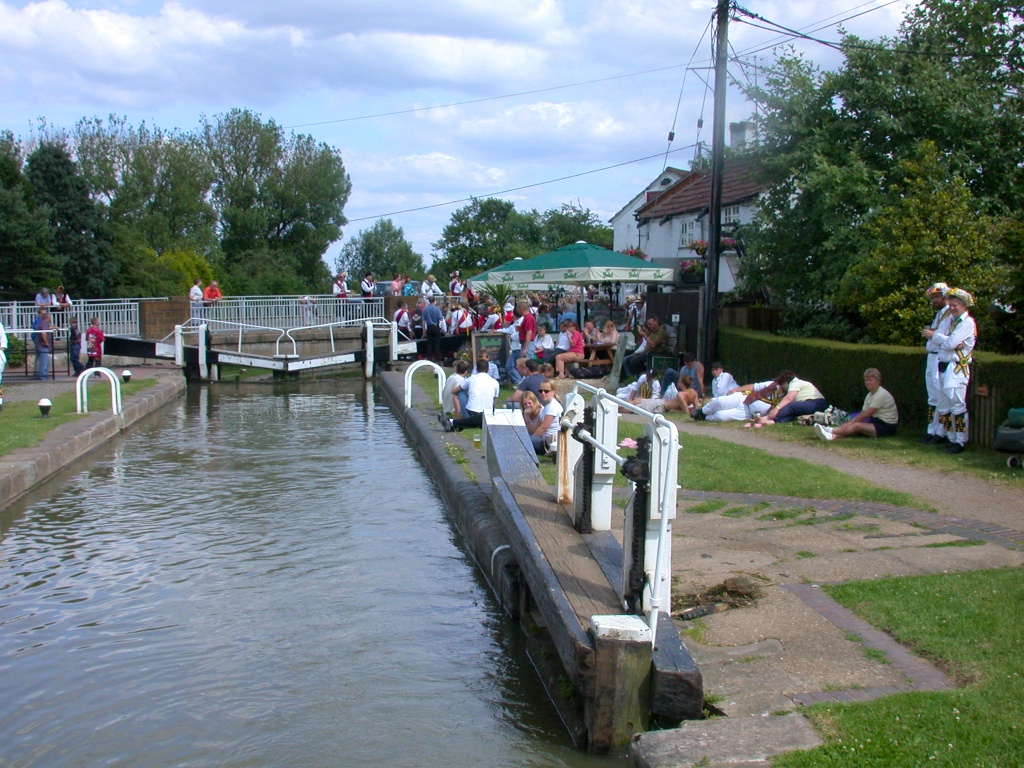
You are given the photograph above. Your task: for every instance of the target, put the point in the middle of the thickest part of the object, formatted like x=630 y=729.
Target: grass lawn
x=24 y=427
x=968 y=623
x=707 y=464
x=903 y=449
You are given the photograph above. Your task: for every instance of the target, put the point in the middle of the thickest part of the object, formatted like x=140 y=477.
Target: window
x=686 y=234
x=731 y=214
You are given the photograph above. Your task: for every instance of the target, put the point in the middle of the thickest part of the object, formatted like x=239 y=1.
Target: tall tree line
x=111 y=209
x=902 y=167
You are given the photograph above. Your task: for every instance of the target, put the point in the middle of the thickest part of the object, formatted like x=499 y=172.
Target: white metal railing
x=664 y=446
x=118 y=317
x=288 y=312
x=442 y=377
x=82 y=390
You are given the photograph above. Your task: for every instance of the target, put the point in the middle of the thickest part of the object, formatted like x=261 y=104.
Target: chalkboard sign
x=494 y=344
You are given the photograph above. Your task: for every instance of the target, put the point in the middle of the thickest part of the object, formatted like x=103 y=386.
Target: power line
x=486 y=98
x=845 y=45
x=516 y=189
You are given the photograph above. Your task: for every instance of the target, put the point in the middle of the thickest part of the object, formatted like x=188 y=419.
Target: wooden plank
x=571 y=641
x=677 y=686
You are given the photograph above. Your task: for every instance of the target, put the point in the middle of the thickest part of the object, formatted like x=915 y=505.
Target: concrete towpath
x=793 y=645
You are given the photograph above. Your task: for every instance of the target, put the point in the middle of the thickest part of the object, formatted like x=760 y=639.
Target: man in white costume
x=936 y=293
x=956 y=338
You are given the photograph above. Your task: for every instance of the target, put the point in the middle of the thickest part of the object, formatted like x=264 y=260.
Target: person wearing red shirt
x=94 y=344
x=212 y=294
x=528 y=328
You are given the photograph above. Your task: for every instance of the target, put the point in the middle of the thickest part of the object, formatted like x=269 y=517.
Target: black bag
x=1009 y=439
x=594 y=372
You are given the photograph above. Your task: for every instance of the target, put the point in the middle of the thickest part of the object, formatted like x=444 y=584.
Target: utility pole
x=710 y=325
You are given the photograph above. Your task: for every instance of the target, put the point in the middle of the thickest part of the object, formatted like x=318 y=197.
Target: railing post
x=179 y=347
x=606 y=431
x=664 y=443
x=204 y=371
x=569 y=450
x=368 y=335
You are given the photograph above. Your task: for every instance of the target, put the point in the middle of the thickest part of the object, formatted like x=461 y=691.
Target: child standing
x=75 y=346
x=94 y=344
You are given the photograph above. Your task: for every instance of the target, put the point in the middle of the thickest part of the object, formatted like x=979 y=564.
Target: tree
x=931 y=229
x=25 y=259
x=484 y=234
x=79 y=238
x=834 y=148
x=572 y=223
x=383 y=250
x=279 y=203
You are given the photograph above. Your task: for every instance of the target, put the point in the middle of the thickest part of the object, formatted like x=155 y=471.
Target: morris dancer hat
x=960 y=293
x=937 y=288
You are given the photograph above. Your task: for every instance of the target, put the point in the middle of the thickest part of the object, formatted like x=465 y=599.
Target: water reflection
x=256 y=580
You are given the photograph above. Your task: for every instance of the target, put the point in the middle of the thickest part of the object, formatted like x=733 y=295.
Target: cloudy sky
x=428 y=102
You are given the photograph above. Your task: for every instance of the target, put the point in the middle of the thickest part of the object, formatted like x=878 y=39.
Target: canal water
x=258 y=578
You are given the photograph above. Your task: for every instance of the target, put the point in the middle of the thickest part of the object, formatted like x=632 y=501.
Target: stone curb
x=939 y=523
x=922 y=676
x=24 y=469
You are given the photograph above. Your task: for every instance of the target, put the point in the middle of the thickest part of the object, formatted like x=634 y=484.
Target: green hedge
x=837 y=369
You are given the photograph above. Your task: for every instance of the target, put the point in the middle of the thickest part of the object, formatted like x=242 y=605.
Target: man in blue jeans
x=43 y=341
x=432 y=319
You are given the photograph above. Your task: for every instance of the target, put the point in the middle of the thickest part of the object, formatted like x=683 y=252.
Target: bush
x=837 y=368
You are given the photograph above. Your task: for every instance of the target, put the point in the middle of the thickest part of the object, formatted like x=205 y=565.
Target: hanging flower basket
x=700 y=247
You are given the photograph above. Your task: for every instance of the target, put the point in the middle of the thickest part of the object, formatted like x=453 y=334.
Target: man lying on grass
x=878 y=417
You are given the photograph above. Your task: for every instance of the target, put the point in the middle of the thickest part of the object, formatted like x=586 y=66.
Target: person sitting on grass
x=878 y=418
x=685 y=399
x=545 y=433
x=801 y=399
x=482 y=390
x=532 y=379
x=452 y=402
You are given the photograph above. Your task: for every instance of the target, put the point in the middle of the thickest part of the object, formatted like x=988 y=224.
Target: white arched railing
x=442 y=377
x=82 y=390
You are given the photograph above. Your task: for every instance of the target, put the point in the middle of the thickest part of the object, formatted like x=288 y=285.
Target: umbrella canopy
x=576 y=264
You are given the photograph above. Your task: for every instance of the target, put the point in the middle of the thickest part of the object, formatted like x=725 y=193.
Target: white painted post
x=569 y=450
x=606 y=432
x=368 y=366
x=393 y=342
x=204 y=371
x=179 y=347
x=662 y=510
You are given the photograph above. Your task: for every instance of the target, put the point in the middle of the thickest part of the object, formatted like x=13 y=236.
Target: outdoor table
x=599 y=354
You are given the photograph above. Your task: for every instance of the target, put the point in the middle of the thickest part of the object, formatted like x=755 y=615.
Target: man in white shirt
x=721 y=382
x=195 y=298
x=430 y=287
x=741 y=404
x=482 y=391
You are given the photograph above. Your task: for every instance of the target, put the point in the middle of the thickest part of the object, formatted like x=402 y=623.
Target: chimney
x=741 y=134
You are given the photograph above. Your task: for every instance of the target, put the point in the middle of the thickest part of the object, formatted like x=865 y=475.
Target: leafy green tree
x=383 y=250
x=26 y=262
x=79 y=238
x=154 y=182
x=932 y=229
x=834 y=147
x=571 y=223
x=485 y=234
x=279 y=203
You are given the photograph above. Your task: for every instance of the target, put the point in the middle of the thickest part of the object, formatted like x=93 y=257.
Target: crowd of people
x=950 y=339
